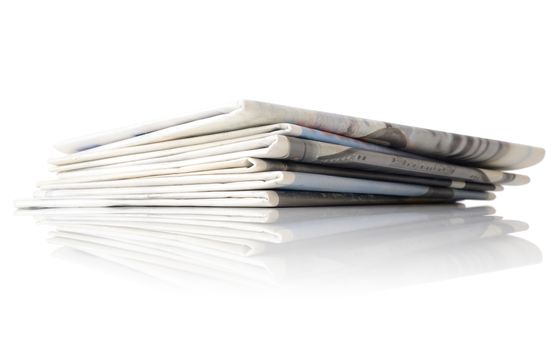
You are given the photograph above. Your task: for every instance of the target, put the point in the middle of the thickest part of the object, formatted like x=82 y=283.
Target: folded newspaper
x=255 y=154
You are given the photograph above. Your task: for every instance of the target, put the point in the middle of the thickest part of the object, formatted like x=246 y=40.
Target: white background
x=487 y=68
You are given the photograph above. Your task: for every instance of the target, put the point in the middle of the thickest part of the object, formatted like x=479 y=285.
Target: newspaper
x=308 y=151
x=177 y=186
x=268 y=216
x=252 y=165
x=255 y=154
x=82 y=160
x=275 y=198
x=456 y=148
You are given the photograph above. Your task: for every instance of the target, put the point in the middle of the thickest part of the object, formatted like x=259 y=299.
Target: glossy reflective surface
x=334 y=247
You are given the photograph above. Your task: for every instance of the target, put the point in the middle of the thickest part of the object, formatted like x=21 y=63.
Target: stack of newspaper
x=255 y=154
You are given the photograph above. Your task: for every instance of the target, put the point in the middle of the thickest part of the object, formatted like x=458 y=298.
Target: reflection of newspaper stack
x=254 y=154
x=279 y=246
